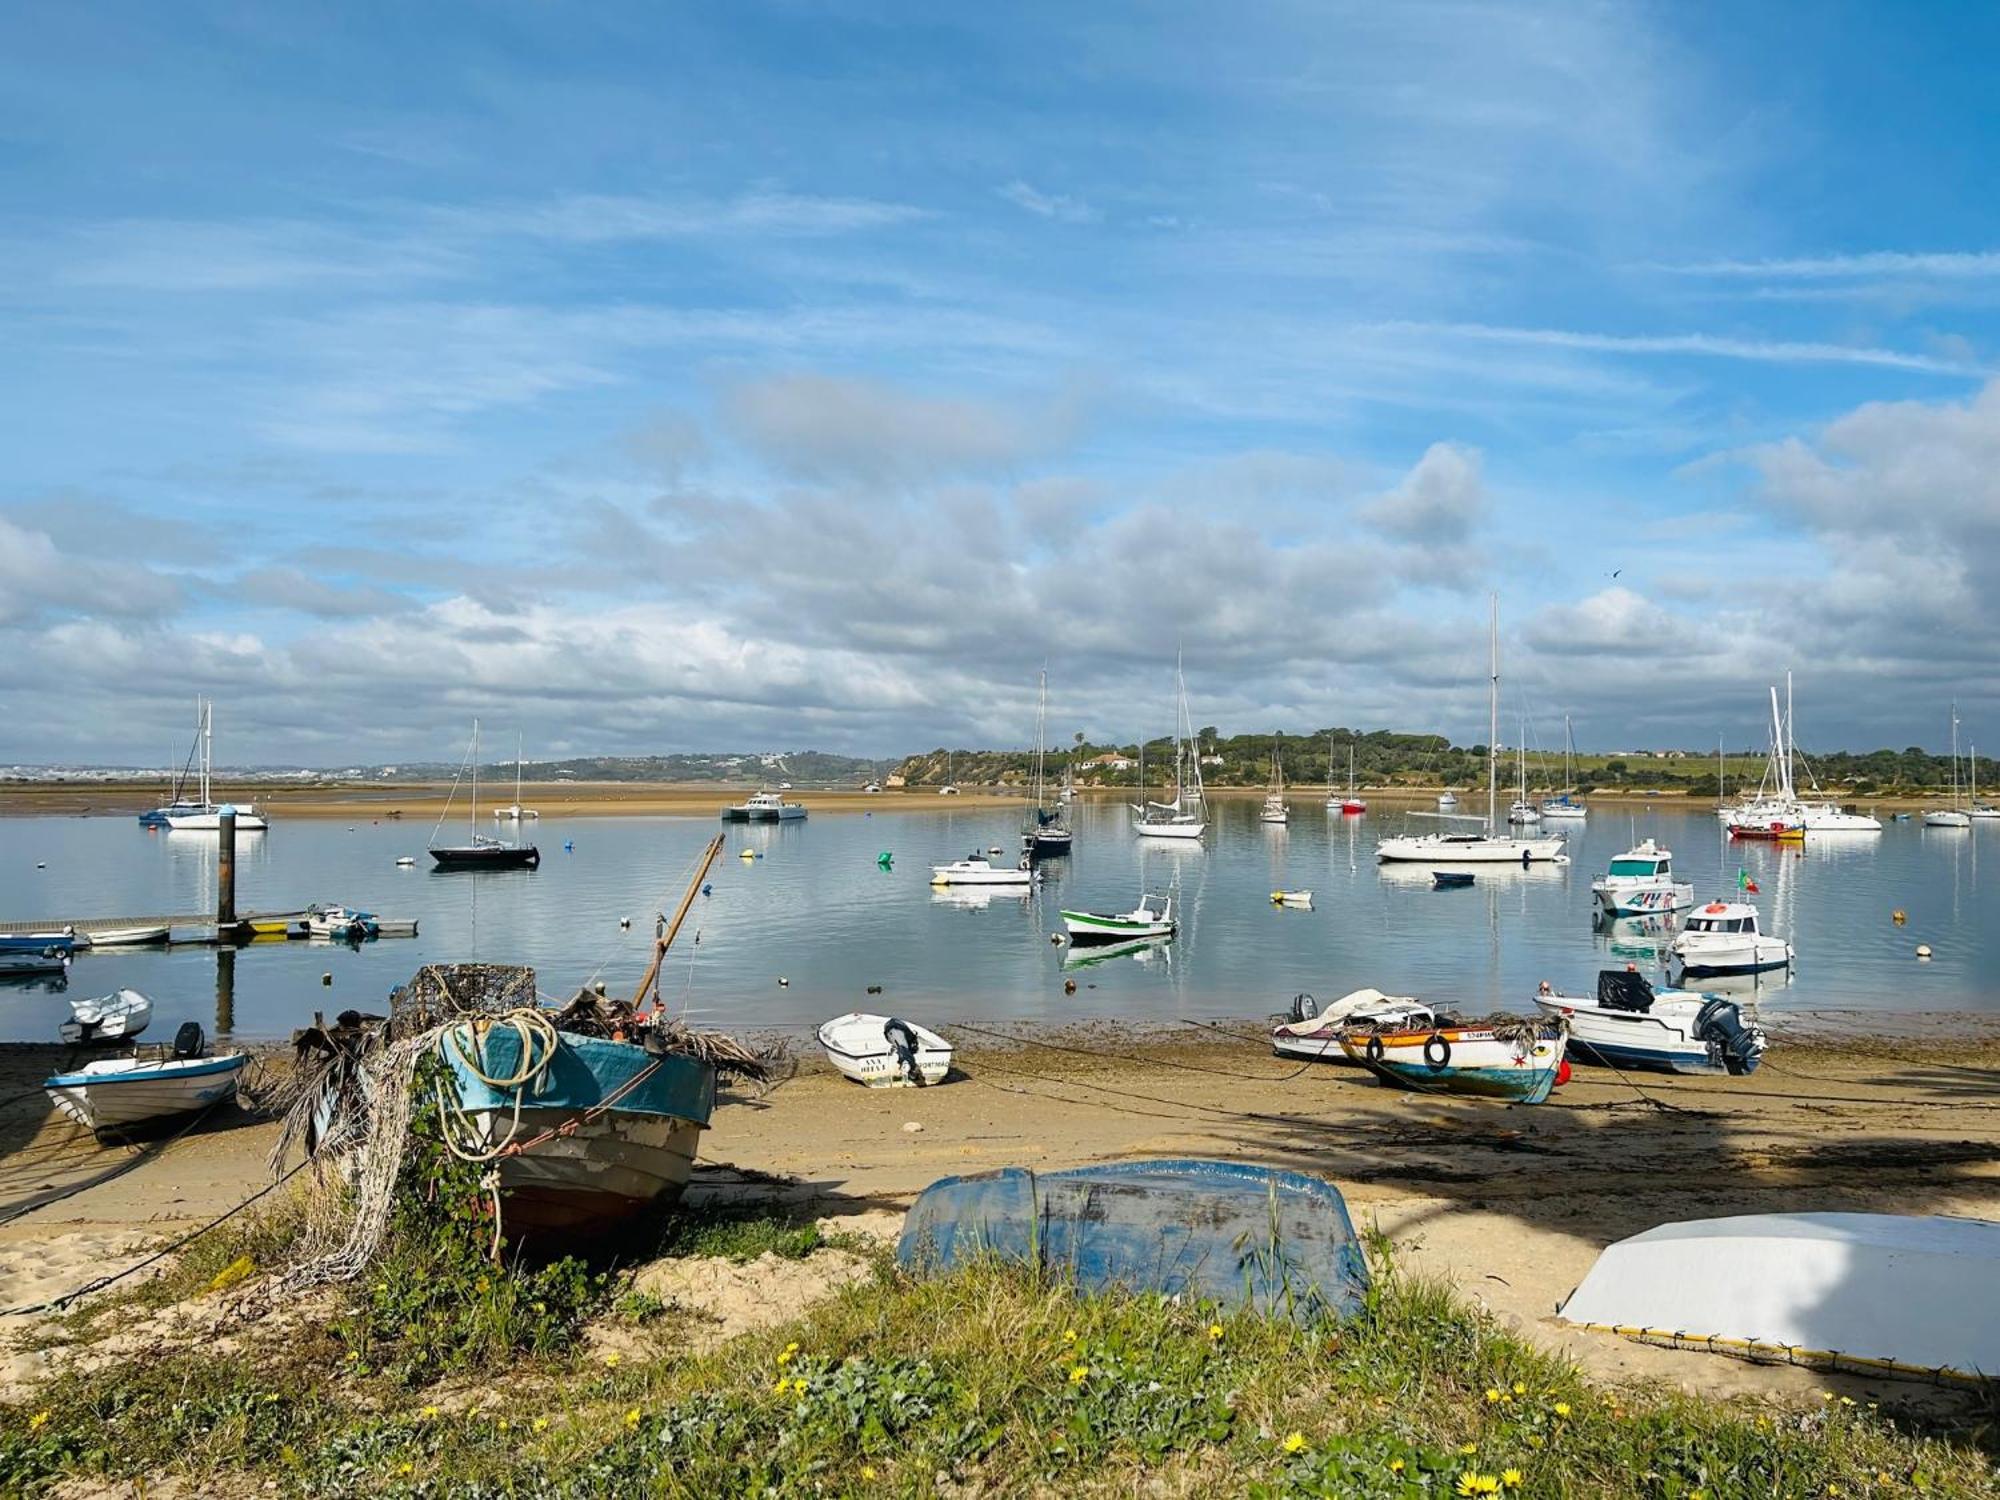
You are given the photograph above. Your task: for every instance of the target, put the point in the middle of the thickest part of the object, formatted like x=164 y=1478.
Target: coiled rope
x=467 y=1041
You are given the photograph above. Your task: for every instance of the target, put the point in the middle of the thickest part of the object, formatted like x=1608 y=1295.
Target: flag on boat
x=1744 y=882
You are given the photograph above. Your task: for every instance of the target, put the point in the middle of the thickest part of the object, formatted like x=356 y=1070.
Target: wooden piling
x=225 y=869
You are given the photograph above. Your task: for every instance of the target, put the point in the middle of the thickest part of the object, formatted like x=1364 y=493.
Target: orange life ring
x=1715 y=906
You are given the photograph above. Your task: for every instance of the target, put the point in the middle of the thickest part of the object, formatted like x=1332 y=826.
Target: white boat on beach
x=1723 y=938
x=1628 y=1024
x=1314 y=1033
x=885 y=1051
x=118 y=1094
x=1153 y=917
x=977 y=869
x=106 y=1018
x=1640 y=883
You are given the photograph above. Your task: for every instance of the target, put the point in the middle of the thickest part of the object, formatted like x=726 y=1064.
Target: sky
x=647 y=378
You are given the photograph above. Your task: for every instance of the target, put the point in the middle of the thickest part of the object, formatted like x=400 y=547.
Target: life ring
x=1373 y=1051
x=1715 y=906
x=1437 y=1052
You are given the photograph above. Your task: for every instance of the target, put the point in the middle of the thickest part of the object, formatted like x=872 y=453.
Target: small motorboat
x=1520 y=1061
x=1640 y=883
x=405 y=861
x=977 y=869
x=47 y=961
x=59 y=940
x=1447 y=801
x=1629 y=1025
x=325 y=920
x=129 y=937
x=1153 y=917
x=1722 y=938
x=1878 y=1294
x=885 y=1051
x=1311 y=1032
x=107 y=1018
x=121 y=1094
x=1292 y=898
x=1229 y=1232
x=1450 y=880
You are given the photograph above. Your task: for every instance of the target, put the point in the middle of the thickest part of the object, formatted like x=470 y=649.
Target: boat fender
x=1437 y=1052
x=1562 y=1073
x=1373 y=1051
x=899 y=1036
x=1304 y=1007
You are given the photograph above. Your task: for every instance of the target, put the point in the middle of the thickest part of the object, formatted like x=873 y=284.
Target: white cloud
x=1954 y=264
x=1438 y=503
x=1769 y=351
x=1057 y=206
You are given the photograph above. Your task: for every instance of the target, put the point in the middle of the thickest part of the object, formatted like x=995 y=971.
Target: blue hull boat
x=41 y=942
x=1230 y=1233
x=1450 y=880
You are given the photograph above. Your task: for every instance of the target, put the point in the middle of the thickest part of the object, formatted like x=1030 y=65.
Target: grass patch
x=745 y=1233
x=1003 y=1384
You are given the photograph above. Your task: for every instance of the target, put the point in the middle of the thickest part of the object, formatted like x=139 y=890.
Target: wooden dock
x=195 y=927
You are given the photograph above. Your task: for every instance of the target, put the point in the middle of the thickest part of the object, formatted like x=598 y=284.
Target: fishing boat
x=330 y=921
x=135 y=936
x=1723 y=938
x=203 y=814
x=1279 y=1242
x=1308 y=1031
x=1640 y=883
x=1153 y=917
x=514 y=812
x=22 y=962
x=1274 y=809
x=1048 y=830
x=977 y=869
x=1519 y=1061
x=54 y=940
x=1565 y=806
x=1185 y=818
x=1953 y=816
x=121 y=1095
x=1489 y=846
x=765 y=807
x=1630 y=1025
x=885 y=1052
x=483 y=852
x=106 y=1018
x=1877 y=1294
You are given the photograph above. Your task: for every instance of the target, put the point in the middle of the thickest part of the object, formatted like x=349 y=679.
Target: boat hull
x=1085 y=926
x=1181 y=831
x=1445 y=849
x=210 y=822
x=482 y=857
x=1643 y=900
x=1757 y=955
x=1462 y=1060
x=128 y=937
x=1661 y=1039
x=858 y=1047
x=144 y=1094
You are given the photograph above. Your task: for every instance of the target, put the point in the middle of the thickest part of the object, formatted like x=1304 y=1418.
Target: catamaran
x=1274 y=797
x=202 y=814
x=1185 y=817
x=484 y=852
x=1048 y=831
x=1487 y=846
x=1953 y=816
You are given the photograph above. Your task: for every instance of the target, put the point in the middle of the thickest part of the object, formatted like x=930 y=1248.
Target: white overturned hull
x=599 y=1176
x=1881 y=1293
x=120 y=1094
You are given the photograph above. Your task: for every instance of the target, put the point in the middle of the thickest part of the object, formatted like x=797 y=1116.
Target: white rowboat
x=885 y=1052
x=118 y=1093
x=107 y=1018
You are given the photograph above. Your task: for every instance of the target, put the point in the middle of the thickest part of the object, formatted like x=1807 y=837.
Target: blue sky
x=656 y=378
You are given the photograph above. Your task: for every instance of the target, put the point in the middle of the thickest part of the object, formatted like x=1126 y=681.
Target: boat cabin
x=1723 y=917
x=1646 y=862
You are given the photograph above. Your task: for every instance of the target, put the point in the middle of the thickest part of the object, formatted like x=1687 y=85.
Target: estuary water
x=799 y=931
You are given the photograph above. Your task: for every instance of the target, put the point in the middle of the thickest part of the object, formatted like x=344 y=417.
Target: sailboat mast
x=1493 y=717
x=517 y=773
x=207 y=748
x=475 y=779
x=1791 y=745
x=1041 y=738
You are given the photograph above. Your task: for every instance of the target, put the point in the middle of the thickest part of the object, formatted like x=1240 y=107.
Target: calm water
x=816 y=910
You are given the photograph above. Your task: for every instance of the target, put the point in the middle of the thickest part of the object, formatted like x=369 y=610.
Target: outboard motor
x=1624 y=989
x=189 y=1040
x=899 y=1036
x=1304 y=1007
x=1739 y=1045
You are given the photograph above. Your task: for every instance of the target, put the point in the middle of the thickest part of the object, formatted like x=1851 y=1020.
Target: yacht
x=1566 y=806
x=1488 y=846
x=1953 y=816
x=1186 y=817
x=1521 y=812
x=1275 y=810
x=1978 y=811
x=1640 y=883
x=1048 y=831
x=1723 y=938
x=202 y=813
x=483 y=852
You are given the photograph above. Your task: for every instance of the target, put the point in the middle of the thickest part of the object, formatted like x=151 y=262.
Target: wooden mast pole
x=665 y=940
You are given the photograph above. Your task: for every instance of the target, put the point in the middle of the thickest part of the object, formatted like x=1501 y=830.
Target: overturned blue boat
x=1223 y=1231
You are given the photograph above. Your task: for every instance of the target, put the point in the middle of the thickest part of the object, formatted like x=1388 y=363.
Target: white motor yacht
x=1723 y=938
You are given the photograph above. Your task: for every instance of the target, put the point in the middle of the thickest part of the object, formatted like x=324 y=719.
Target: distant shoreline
x=574 y=799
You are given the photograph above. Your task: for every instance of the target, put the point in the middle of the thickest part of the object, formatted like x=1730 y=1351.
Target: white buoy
x=1923 y=953
x=624 y=921
x=783 y=982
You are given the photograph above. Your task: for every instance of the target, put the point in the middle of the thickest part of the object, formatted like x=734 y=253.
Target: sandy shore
x=1511 y=1203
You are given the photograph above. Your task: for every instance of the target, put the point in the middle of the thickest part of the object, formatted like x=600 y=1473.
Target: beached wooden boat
x=120 y=1095
x=1629 y=1025
x=1314 y=1032
x=1893 y=1294
x=614 y=1126
x=885 y=1052
x=1226 y=1231
x=106 y=1018
x=1519 y=1061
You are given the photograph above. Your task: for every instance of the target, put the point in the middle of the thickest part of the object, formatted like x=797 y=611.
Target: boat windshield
x=1636 y=866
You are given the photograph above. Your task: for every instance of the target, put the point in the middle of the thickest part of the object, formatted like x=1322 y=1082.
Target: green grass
x=987 y=1382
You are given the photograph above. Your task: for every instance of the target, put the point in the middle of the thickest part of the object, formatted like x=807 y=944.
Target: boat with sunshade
x=1279 y=1242
x=1628 y=1024
x=885 y=1051
x=1876 y=1294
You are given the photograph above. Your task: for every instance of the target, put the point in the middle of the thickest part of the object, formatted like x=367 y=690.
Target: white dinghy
x=128 y=937
x=107 y=1018
x=1878 y=1293
x=885 y=1052
x=120 y=1094
x=1311 y=1032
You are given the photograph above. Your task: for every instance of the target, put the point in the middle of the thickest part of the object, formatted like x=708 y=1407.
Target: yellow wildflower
x=1512 y=1478
x=406 y=1467
x=867 y=1471
x=38 y=1421
x=1078 y=1375
x=1215 y=1330
x=632 y=1417
x=1470 y=1483
x=1295 y=1442
x=540 y=1424
x=1069 y=1335
x=781 y=1387
x=611 y=1360
x=501 y=1424
x=1520 y=1389
x=785 y=1357
x=1562 y=1408
x=428 y=1412
x=1883 y=1476
x=1468 y=1448
x=481 y=1284
x=1395 y=1466
x=1846 y=1400
x=792 y=1347
x=1493 y=1395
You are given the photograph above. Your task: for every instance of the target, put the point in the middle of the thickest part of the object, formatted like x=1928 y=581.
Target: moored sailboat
x=1048 y=830
x=202 y=814
x=1953 y=816
x=1184 y=818
x=484 y=852
x=1274 y=810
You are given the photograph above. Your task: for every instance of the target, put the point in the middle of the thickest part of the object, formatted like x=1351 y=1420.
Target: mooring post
x=225 y=868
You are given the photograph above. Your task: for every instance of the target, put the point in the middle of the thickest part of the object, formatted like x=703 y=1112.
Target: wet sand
x=1511 y=1203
